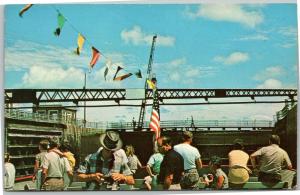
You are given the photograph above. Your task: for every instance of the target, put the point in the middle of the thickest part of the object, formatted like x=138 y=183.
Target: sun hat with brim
x=110 y=140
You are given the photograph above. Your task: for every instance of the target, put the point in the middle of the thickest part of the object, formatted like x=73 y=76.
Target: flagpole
x=84 y=108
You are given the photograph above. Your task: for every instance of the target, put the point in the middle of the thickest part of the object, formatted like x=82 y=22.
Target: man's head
x=187 y=136
x=111 y=141
x=238 y=144
x=53 y=142
x=164 y=144
x=215 y=162
x=44 y=144
x=274 y=139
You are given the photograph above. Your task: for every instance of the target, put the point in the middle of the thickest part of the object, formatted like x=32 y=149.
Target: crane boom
x=149 y=76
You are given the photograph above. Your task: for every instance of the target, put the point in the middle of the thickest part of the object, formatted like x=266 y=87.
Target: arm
x=253 y=161
x=148 y=169
x=44 y=174
x=89 y=177
x=139 y=164
x=198 y=164
x=220 y=181
x=36 y=168
x=128 y=179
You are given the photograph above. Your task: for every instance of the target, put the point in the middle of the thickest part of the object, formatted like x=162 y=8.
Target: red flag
x=120 y=78
x=155 y=120
x=96 y=56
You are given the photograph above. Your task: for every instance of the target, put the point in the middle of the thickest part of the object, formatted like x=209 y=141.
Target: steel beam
x=37 y=96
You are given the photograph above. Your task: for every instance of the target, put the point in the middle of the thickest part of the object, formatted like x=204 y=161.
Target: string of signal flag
x=96 y=54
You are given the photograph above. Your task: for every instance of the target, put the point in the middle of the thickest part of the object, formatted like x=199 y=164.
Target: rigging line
x=75 y=29
x=169 y=104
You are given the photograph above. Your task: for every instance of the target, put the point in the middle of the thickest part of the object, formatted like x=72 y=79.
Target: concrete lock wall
x=208 y=143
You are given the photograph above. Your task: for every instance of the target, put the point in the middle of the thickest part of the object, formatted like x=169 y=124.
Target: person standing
x=39 y=158
x=133 y=161
x=172 y=167
x=192 y=161
x=271 y=158
x=153 y=169
x=103 y=166
x=238 y=170
x=9 y=173
x=54 y=167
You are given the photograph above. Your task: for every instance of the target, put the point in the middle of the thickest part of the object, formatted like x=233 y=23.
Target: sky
x=198 y=46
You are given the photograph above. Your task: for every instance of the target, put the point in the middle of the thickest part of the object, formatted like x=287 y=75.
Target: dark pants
x=269 y=177
x=190 y=180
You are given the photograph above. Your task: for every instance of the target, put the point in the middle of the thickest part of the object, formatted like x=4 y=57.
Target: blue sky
x=198 y=46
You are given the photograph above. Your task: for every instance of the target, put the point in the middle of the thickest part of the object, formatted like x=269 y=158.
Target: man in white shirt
x=272 y=158
x=9 y=173
x=192 y=161
x=54 y=168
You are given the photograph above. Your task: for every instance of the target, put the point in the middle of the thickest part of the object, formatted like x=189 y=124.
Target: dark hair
x=275 y=139
x=44 y=144
x=216 y=161
x=54 y=142
x=238 y=144
x=6 y=157
x=166 y=140
x=65 y=147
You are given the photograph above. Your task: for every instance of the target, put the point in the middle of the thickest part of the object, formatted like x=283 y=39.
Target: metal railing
x=282 y=113
x=23 y=115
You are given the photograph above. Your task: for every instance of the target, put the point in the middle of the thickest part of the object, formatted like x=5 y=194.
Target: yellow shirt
x=70 y=158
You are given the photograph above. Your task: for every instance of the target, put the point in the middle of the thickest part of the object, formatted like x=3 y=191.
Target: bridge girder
x=37 y=96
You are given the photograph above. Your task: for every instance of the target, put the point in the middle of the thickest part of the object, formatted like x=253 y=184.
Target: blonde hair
x=129 y=150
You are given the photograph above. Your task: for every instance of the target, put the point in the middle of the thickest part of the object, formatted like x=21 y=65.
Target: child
x=220 y=180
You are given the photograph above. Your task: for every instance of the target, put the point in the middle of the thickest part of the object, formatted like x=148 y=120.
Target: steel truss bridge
x=37 y=96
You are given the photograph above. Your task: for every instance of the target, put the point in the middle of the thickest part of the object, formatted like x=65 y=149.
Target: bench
x=261 y=185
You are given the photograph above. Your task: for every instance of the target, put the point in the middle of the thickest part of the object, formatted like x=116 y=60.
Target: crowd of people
x=170 y=167
x=177 y=167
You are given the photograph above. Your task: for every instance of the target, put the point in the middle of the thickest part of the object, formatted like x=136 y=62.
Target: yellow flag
x=151 y=85
x=80 y=42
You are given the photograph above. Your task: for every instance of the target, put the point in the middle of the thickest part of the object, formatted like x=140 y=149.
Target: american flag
x=154 y=121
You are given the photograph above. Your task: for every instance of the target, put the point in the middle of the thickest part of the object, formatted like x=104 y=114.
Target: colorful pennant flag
x=96 y=56
x=60 y=21
x=138 y=74
x=120 y=78
x=105 y=72
x=80 y=42
x=118 y=69
x=151 y=85
x=27 y=7
x=155 y=120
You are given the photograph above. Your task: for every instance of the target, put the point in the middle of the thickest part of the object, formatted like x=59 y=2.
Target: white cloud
x=269 y=72
x=258 y=37
x=270 y=84
x=137 y=37
x=22 y=55
x=288 y=31
x=233 y=58
x=178 y=62
x=228 y=13
x=46 y=77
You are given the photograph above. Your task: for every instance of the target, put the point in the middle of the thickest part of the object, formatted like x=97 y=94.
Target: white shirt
x=56 y=165
x=189 y=155
x=9 y=175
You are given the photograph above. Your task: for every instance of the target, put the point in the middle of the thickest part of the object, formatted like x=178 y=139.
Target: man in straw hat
x=102 y=166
